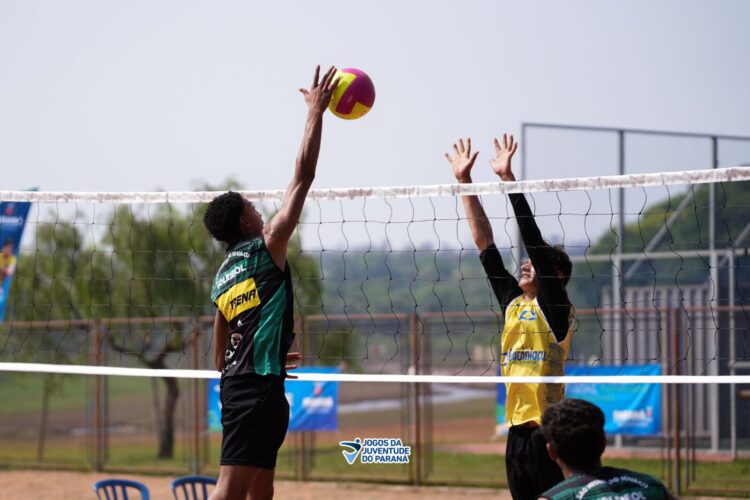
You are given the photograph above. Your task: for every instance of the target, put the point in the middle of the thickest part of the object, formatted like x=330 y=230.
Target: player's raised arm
x=462 y=163
x=535 y=245
x=278 y=231
x=546 y=260
x=504 y=284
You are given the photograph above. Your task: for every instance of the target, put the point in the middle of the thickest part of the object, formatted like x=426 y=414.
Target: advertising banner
x=313 y=406
x=630 y=409
x=12 y=222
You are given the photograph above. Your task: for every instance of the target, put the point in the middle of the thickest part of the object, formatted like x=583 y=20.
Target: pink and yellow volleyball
x=354 y=96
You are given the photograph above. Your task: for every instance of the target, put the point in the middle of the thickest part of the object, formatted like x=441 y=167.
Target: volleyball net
x=388 y=284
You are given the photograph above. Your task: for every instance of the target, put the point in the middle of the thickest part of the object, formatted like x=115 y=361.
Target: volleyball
x=354 y=96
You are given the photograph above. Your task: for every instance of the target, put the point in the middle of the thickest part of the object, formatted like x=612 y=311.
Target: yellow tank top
x=529 y=348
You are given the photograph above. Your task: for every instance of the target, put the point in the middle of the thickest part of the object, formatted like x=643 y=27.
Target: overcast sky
x=141 y=95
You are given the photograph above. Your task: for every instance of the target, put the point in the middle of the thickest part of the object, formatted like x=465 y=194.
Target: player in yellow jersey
x=537 y=331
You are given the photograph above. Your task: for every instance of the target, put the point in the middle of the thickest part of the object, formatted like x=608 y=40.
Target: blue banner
x=214 y=406
x=631 y=409
x=313 y=406
x=500 y=427
x=12 y=221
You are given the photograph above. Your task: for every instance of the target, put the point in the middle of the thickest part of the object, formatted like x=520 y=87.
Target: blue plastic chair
x=117 y=489
x=192 y=487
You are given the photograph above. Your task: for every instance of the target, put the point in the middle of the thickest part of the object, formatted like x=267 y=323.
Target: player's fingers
x=448 y=157
x=468 y=145
x=511 y=142
x=513 y=150
x=455 y=149
x=474 y=156
x=505 y=141
x=304 y=91
x=497 y=146
x=328 y=76
x=315 y=78
x=461 y=145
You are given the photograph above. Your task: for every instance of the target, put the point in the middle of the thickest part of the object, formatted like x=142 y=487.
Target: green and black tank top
x=255 y=297
x=608 y=483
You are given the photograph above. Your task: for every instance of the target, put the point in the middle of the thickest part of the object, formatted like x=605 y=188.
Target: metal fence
x=119 y=424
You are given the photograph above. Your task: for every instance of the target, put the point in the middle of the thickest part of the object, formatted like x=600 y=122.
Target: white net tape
x=378 y=378
x=531 y=186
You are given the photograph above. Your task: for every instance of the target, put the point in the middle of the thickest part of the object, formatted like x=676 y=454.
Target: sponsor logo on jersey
x=523 y=355
x=231 y=274
x=527 y=315
x=238 y=299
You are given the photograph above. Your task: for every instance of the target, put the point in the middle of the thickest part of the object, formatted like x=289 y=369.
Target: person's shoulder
x=564 y=490
x=245 y=249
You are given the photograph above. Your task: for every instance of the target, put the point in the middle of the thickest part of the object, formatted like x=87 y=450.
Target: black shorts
x=254 y=418
x=530 y=470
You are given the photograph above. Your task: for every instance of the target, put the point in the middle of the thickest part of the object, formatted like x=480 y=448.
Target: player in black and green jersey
x=574 y=430
x=253 y=327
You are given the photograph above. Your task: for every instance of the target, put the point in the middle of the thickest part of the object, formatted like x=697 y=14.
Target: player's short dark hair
x=575 y=429
x=562 y=262
x=222 y=217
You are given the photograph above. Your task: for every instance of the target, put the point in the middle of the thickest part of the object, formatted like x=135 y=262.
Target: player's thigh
x=234 y=482
x=262 y=487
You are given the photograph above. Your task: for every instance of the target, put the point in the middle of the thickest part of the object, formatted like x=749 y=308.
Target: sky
x=144 y=95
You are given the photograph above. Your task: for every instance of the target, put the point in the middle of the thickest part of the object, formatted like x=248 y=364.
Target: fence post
x=195 y=466
x=417 y=455
x=676 y=414
x=97 y=462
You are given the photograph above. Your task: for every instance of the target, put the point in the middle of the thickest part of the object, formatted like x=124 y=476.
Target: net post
x=617 y=296
x=714 y=272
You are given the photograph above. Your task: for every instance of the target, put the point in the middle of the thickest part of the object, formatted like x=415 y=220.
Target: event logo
x=355 y=447
x=376 y=451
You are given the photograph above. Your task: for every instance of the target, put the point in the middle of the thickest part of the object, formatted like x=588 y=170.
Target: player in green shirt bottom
x=574 y=430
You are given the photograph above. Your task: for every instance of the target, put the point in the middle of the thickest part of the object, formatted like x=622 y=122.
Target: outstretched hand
x=501 y=163
x=463 y=161
x=291 y=359
x=318 y=96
